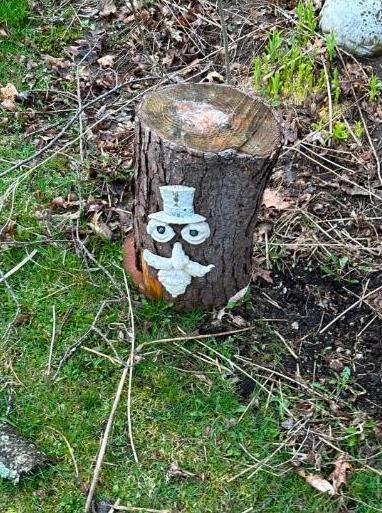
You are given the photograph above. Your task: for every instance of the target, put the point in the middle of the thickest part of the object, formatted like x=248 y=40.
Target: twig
x=72 y=120
x=73 y=348
x=286 y=345
x=126 y=373
x=258 y=465
x=80 y=124
x=71 y=452
x=330 y=101
x=18 y=266
x=225 y=42
x=52 y=340
x=358 y=302
x=18 y=308
x=113 y=508
x=103 y=355
x=377 y=161
x=201 y=337
x=105 y=439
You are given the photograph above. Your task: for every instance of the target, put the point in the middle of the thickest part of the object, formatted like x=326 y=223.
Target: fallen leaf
x=133 y=5
x=99 y=228
x=3 y=31
x=59 y=202
x=9 y=92
x=214 y=76
x=238 y=321
x=261 y=273
x=336 y=364
x=355 y=190
x=238 y=297
x=341 y=466
x=176 y=471
x=56 y=62
x=274 y=199
x=9 y=105
x=108 y=8
x=317 y=482
x=107 y=61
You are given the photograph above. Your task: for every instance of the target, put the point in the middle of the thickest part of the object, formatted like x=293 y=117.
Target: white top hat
x=178 y=205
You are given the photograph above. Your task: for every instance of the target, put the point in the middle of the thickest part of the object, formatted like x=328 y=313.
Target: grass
x=184 y=409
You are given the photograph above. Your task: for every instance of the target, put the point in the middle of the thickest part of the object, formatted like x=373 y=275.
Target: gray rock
x=357 y=25
x=18 y=456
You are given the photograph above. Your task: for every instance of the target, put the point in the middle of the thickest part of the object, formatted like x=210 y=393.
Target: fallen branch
x=126 y=373
x=73 y=348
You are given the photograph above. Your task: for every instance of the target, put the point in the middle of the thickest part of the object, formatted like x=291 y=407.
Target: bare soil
x=346 y=359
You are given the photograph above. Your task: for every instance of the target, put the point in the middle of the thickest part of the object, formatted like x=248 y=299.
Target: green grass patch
x=14 y=13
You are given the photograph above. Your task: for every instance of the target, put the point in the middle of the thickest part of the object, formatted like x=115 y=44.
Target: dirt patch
x=345 y=359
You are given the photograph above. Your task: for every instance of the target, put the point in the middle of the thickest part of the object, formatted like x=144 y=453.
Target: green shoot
x=375 y=87
x=330 y=43
x=359 y=130
x=340 y=132
x=336 y=85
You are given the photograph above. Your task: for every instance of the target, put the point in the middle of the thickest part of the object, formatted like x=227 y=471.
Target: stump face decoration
x=204 y=154
x=175 y=273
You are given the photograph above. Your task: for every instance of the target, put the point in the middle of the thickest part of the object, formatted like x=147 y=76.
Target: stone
x=18 y=456
x=357 y=25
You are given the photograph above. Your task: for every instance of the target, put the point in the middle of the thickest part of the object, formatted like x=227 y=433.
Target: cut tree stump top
x=211 y=118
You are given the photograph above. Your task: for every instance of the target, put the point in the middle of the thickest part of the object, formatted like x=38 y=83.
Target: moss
x=53 y=38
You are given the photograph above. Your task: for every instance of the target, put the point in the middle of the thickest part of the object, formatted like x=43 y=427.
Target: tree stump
x=203 y=156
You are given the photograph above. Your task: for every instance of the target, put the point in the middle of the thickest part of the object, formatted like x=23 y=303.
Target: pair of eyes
x=194 y=233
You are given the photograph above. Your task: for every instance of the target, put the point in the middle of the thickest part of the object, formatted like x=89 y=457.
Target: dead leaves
x=100 y=228
x=107 y=61
x=317 y=482
x=56 y=63
x=3 y=32
x=108 y=8
x=176 y=471
x=274 y=199
x=8 y=95
x=338 y=477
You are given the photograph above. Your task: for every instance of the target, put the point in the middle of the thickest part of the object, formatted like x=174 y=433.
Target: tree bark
x=223 y=144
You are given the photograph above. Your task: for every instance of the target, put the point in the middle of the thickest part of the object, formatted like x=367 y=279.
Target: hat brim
x=166 y=218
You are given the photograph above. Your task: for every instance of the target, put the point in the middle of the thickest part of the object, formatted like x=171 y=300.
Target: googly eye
x=161 y=232
x=196 y=233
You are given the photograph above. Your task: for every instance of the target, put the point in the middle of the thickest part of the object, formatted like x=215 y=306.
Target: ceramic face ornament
x=176 y=273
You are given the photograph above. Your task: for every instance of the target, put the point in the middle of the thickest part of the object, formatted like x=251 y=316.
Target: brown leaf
x=262 y=273
x=108 y=8
x=9 y=105
x=56 y=62
x=101 y=229
x=317 y=482
x=214 y=76
x=274 y=199
x=341 y=466
x=9 y=92
x=176 y=471
x=59 y=202
x=107 y=61
x=3 y=31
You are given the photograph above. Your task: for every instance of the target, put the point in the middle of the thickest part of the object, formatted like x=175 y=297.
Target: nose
x=178 y=257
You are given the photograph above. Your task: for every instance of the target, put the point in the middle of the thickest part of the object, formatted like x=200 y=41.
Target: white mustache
x=175 y=273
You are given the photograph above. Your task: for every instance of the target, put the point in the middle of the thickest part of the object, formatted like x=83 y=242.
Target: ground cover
x=231 y=423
